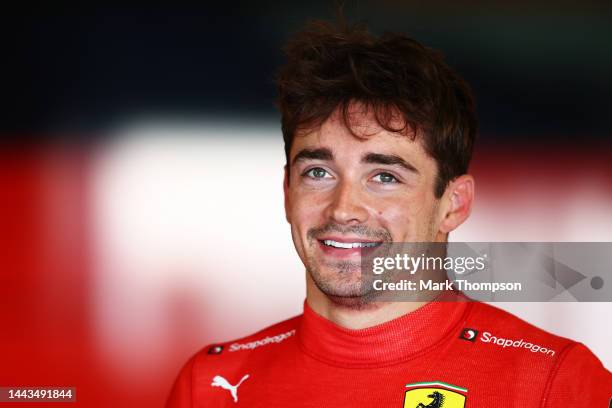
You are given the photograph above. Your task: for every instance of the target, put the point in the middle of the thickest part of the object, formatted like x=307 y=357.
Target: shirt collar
x=385 y=344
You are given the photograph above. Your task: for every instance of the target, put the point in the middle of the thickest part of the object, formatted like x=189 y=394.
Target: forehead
x=365 y=135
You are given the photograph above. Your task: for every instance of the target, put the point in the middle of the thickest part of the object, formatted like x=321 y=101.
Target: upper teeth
x=348 y=245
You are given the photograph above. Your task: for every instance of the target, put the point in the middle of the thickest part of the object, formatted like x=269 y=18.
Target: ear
x=458 y=199
x=286 y=194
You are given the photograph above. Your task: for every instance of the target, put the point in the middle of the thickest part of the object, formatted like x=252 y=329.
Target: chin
x=349 y=287
x=356 y=303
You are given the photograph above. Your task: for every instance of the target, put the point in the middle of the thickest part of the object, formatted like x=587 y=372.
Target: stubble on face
x=341 y=281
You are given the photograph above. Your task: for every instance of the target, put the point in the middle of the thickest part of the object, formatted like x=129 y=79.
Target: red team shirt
x=443 y=355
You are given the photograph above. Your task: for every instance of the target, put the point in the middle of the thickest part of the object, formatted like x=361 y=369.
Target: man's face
x=344 y=193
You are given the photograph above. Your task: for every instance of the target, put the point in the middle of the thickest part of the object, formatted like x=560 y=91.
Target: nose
x=347 y=206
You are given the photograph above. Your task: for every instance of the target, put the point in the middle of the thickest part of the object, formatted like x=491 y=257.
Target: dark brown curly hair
x=331 y=66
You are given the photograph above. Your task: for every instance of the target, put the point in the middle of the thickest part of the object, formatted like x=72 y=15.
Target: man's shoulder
x=502 y=328
x=264 y=341
x=230 y=362
x=567 y=369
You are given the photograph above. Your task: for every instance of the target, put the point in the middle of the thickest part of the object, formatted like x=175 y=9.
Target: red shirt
x=445 y=355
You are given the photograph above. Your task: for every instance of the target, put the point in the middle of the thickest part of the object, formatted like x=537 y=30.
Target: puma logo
x=219 y=381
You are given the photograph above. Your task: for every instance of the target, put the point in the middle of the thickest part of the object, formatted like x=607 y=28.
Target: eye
x=317 y=173
x=385 y=178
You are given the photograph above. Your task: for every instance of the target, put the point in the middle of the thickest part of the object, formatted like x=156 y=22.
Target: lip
x=347 y=239
x=345 y=253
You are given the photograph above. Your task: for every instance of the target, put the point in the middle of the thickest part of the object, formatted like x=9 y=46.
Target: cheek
x=407 y=218
x=398 y=220
x=306 y=212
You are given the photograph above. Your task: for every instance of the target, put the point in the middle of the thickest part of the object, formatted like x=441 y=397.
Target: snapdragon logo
x=262 y=342
x=500 y=341
x=468 y=334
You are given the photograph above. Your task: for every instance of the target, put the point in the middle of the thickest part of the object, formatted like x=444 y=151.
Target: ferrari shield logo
x=434 y=395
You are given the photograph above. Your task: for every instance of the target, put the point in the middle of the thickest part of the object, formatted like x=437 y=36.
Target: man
x=378 y=136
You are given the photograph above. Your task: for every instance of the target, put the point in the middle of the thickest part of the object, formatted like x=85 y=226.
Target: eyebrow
x=388 y=159
x=322 y=153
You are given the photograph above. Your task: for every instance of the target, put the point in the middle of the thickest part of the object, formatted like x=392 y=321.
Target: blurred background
x=141 y=169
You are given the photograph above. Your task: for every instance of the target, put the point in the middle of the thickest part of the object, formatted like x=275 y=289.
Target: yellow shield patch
x=434 y=395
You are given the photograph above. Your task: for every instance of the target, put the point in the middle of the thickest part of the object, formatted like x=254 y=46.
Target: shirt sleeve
x=578 y=380
x=181 y=393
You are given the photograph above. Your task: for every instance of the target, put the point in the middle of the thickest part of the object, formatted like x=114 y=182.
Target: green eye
x=385 y=178
x=316 y=172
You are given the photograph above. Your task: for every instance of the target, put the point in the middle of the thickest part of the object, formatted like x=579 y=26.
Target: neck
x=355 y=315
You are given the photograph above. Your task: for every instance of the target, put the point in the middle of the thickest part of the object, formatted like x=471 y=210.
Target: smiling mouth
x=349 y=245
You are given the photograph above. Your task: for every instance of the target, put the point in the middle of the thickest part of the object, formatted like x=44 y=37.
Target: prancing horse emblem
x=438 y=401
x=219 y=381
x=434 y=394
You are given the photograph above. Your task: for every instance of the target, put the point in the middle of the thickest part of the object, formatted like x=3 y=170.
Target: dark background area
x=538 y=70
